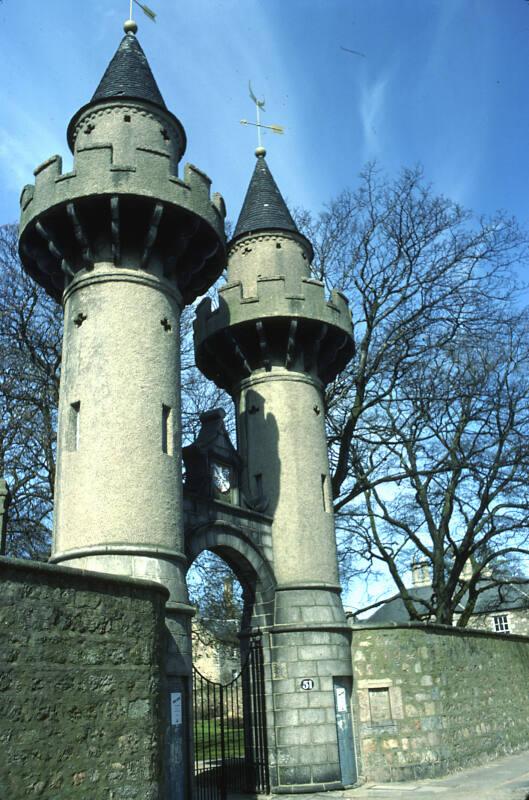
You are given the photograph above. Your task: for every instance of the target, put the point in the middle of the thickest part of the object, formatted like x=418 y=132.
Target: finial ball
x=130 y=26
x=260 y=151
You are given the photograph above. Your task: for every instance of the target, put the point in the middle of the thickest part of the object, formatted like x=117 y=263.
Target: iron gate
x=229 y=726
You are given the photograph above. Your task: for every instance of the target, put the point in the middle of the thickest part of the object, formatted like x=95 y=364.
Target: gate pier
x=273 y=343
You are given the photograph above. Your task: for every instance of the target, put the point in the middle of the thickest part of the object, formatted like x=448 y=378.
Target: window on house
x=501 y=623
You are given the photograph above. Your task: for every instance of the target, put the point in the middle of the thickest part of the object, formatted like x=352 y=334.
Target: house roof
x=394 y=609
x=263 y=207
x=494 y=599
x=129 y=75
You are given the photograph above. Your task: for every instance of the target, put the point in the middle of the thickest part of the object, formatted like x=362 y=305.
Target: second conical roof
x=263 y=207
x=129 y=75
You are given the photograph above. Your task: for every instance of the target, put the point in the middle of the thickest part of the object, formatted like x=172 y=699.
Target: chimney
x=420 y=573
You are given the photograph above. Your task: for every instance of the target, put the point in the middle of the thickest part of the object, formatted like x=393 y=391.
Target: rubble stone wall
x=80 y=684
x=430 y=699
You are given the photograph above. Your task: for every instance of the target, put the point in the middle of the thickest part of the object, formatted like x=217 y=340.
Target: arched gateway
x=230 y=721
x=125 y=242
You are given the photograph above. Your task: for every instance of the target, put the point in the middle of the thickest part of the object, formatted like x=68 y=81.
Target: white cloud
x=372 y=108
x=24 y=143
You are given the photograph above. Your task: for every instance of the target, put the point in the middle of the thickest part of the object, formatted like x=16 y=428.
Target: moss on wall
x=430 y=699
x=80 y=684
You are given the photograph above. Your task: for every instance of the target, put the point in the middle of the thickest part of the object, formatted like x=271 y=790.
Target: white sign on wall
x=341 y=699
x=176 y=708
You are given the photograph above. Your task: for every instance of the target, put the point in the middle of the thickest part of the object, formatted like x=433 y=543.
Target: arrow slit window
x=167 y=430
x=72 y=426
x=325 y=494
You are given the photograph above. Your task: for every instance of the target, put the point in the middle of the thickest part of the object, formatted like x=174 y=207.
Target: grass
x=208 y=739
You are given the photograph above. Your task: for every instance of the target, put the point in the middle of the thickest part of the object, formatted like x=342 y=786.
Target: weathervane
x=260 y=106
x=146 y=10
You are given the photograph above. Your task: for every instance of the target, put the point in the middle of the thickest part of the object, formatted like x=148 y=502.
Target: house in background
x=216 y=649
x=500 y=609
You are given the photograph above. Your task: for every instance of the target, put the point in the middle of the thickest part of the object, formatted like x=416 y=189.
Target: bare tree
x=455 y=432
x=30 y=348
x=217 y=595
x=198 y=394
x=432 y=294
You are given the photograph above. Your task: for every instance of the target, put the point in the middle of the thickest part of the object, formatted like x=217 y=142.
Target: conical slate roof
x=263 y=207
x=129 y=75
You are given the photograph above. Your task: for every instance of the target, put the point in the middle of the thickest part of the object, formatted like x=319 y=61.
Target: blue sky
x=443 y=83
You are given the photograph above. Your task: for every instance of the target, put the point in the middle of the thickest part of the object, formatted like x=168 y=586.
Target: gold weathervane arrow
x=260 y=106
x=146 y=10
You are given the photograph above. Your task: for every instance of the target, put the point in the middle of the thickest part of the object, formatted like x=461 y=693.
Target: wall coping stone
x=435 y=627
x=26 y=565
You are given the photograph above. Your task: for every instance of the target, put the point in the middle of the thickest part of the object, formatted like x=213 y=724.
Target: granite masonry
x=430 y=699
x=81 y=680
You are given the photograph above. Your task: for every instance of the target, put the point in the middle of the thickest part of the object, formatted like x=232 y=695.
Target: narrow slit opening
x=325 y=493
x=72 y=432
x=167 y=430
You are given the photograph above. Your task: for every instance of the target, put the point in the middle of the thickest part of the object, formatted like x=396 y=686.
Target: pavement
x=504 y=778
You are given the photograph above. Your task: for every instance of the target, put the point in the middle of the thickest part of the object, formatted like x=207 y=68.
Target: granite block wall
x=80 y=684
x=430 y=699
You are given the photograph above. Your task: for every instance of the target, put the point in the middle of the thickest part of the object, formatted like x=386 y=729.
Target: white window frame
x=501 y=623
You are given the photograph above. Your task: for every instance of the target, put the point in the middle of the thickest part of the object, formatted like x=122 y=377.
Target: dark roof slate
x=129 y=75
x=263 y=207
x=490 y=600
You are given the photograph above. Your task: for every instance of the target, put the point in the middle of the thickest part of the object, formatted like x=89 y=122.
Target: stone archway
x=233 y=544
x=242 y=764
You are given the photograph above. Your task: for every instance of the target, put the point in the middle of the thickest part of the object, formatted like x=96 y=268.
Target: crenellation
x=95 y=167
x=96 y=177
x=54 y=163
x=274 y=301
x=26 y=196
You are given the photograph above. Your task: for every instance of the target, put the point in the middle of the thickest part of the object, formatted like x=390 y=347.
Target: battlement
x=273 y=300
x=96 y=172
x=103 y=209
x=301 y=331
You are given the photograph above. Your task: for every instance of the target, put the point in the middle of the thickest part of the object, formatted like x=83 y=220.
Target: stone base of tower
x=309 y=651
x=166 y=568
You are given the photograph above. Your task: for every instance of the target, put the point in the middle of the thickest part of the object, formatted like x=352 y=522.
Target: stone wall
x=80 y=684
x=430 y=699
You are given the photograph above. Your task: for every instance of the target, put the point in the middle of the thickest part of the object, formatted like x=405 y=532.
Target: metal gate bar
x=229 y=721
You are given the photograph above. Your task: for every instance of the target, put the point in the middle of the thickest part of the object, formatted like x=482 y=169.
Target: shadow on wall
x=260 y=439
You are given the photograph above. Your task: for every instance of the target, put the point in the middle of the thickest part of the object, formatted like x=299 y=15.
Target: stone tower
x=273 y=343
x=124 y=243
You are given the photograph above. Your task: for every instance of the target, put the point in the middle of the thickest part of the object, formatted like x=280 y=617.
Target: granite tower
x=124 y=243
x=273 y=343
